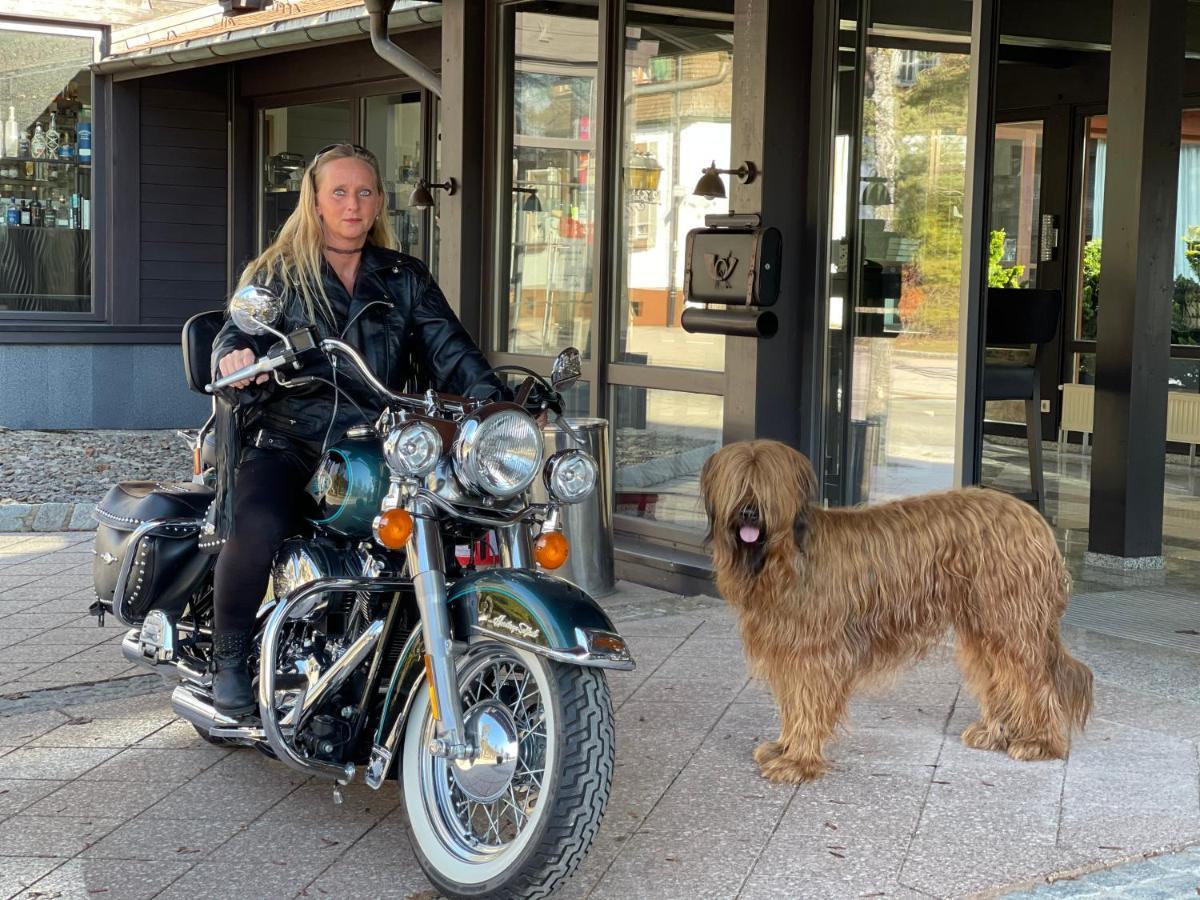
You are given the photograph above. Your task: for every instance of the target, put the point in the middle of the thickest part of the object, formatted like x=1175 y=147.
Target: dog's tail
x=1073 y=681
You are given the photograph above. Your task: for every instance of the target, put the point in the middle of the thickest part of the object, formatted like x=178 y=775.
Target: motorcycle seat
x=134 y=502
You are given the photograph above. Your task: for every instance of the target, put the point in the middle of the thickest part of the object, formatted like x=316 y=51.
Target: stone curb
x=20 y=517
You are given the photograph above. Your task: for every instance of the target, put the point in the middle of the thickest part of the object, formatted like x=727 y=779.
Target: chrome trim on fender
x=583 y=654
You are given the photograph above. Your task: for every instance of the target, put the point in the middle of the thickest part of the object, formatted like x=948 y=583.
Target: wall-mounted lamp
x=711 y=186
x=532 y=203
x=421 y=198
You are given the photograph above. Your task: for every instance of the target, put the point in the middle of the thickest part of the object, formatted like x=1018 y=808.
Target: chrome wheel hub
x=492 y=730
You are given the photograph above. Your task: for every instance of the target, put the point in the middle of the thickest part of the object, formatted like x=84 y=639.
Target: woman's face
x=347 y=201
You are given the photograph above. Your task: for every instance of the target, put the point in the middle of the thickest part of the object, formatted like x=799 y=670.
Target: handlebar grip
x=261 y=366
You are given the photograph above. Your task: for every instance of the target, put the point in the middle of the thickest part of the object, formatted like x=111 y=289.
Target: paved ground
x=103 y=793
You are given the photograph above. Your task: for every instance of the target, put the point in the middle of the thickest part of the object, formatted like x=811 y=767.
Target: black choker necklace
x=340 y=250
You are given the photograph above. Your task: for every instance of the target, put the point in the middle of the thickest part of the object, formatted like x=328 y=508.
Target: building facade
x=916 y=159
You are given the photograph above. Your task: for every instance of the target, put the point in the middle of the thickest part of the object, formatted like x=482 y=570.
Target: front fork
x=425 y=565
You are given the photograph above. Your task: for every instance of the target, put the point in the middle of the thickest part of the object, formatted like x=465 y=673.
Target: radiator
x=1183 y=415
x=1076 y=408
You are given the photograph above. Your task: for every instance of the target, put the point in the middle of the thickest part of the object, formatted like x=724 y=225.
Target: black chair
x=1022 y=317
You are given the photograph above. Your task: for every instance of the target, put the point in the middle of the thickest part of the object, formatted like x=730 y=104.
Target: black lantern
x=711 y=186
x=421 y=198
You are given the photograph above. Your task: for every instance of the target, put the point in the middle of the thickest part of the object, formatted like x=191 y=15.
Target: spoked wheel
x=519 y=818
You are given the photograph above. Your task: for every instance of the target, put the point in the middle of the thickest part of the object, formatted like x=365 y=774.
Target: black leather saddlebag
x=167 y=567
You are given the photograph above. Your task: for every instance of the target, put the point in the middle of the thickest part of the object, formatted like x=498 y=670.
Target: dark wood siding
x=183 y=203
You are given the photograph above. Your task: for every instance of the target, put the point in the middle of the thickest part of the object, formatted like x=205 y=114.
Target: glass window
x=549 y=257
x=678 y=98
x=393 y=133
x=1185 y=303
x=291 y=136
x=1013 y=247
x=46 y=150
x=661 y=440
x=906 y=309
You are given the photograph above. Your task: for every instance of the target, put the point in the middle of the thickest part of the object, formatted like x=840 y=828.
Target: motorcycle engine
x=312 y=644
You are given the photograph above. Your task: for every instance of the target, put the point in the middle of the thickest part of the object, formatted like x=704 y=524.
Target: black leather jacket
x=400 y=322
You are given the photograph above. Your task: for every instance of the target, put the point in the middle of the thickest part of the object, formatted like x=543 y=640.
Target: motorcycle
x=381 y=646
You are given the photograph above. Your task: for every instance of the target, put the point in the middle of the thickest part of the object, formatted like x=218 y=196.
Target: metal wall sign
x=732 y=262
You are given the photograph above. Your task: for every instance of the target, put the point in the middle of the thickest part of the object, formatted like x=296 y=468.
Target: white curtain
x=1188 y=202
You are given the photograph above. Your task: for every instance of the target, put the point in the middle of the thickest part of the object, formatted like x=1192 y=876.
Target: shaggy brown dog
x=829 y=599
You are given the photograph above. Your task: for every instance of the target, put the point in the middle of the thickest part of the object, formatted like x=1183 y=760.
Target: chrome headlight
x=413 y=449
x=571 y=476
x=498 y=453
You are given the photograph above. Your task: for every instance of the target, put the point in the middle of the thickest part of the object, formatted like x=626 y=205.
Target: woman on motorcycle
x=335 y=266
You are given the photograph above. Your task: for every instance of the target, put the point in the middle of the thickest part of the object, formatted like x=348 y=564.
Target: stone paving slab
x=95 y=770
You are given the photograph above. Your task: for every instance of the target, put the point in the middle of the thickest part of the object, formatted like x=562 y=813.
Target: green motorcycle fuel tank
x=349 y=486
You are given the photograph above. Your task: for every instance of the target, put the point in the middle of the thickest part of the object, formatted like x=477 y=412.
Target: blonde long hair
x=294 y=258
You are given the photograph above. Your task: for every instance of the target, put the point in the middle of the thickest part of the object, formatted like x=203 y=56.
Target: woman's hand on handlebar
x=237 y=359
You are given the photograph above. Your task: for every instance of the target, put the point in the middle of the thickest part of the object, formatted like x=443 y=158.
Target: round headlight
x=499 y=453
x=413 y=449
x=571 y=476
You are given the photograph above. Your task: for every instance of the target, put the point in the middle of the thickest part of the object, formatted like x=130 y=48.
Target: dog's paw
x=1035 y=751
x=980 y=736
x=767 y=751
x=785 y=770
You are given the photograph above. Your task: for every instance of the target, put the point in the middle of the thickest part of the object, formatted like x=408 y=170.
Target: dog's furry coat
x=828 y=600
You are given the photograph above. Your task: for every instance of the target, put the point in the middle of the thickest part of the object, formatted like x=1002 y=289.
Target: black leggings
x=268 y=500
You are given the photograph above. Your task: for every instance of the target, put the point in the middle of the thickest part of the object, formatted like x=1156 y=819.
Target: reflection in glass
x=46 y=151
x=291 y=136
x=906 y=312
x=1013 y=247
x=1185 y=300
x=393 y=134
x=549 y=259
x=678 y=98
x=661 y=440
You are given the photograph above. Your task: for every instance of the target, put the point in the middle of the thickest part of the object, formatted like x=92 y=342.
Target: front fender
x=537 y=612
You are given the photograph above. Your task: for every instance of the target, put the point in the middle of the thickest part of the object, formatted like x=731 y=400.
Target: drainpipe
x=393 y=55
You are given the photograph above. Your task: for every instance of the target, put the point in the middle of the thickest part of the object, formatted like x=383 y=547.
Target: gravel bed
x=79 y=466
x=76 y=466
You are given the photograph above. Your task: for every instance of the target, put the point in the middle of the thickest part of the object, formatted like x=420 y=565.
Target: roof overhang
x=229 y=40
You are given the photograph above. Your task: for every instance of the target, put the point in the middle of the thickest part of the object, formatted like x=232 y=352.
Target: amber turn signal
x=551 y=550
x=393 y=528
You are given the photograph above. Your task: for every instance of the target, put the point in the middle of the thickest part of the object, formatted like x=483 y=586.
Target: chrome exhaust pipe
x=131 y=649
x=191 y=705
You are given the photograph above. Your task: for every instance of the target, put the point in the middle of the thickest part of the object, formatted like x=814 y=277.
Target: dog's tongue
x=748 y=533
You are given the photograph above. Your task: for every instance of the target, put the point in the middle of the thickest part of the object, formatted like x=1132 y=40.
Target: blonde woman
x=335 y=266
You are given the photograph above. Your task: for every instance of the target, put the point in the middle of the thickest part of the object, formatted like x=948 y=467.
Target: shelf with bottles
x=61 y=135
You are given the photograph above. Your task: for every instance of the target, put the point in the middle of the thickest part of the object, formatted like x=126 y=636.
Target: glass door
x=393 y=125
x=897 y=225
x=291 y=136
x=666 y=396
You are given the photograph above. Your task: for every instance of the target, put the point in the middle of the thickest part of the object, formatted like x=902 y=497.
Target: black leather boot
x=231 y=691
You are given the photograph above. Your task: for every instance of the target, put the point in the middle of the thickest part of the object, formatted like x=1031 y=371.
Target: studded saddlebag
x=167 y=567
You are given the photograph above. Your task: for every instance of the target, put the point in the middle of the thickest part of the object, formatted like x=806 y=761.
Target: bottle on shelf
x=83 y=136
x=37 y=144
x=50 y=214
x=12 y=215
x=23 y=142
x=26 y=215
x=74 y=210
x=37 y=213
x=52 y=138
x=66 y=150
x=64 y=212
x=12 y=133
